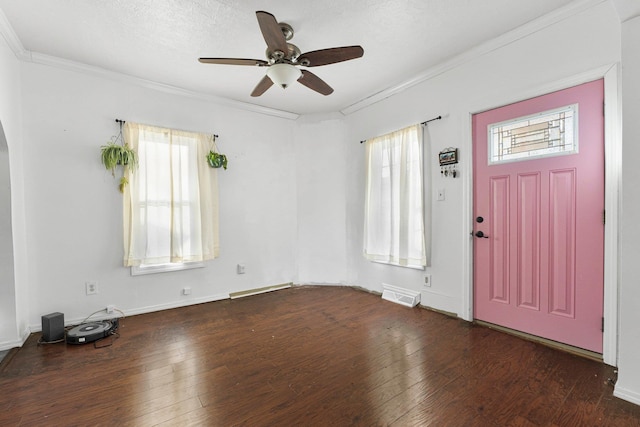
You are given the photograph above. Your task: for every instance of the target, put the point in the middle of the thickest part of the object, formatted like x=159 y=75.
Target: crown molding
x=25 y=55
x=53 y=61
x=627 y=9
x=505 y=39
x=11 y=37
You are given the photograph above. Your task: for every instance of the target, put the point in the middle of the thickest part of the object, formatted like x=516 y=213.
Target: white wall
x=578 y=44
x=13 y=270
x=628 y=385
x=8 y=325
x=74 y=209
x=321 y=172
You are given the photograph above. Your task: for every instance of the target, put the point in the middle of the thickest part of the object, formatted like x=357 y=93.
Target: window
x=549 y=133
x=394 y=206
x=171 y=202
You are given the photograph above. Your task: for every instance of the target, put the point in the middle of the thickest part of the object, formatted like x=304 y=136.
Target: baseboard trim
x=8 y=345
x=626 y=394
x=142 y=310
x=257 y=291
x=443 y=312
x=439 y=301
x=154 y=308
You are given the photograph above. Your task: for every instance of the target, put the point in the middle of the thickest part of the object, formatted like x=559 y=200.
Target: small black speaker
x=52 y=327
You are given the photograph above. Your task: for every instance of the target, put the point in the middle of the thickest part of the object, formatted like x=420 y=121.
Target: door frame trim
x=613 y=185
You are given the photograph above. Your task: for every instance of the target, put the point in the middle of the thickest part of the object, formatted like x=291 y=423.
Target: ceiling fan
x=283 y=58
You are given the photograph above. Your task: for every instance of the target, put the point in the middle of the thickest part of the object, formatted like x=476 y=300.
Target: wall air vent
x=401 y=296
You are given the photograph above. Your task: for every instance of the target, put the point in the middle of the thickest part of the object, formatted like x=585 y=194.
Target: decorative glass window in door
x=549 y=133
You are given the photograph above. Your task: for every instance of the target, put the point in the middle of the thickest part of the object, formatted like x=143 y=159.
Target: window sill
x=164 y=268
x=413 y=267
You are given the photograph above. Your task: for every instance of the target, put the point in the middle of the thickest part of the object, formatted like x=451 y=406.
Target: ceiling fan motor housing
x=292 y=53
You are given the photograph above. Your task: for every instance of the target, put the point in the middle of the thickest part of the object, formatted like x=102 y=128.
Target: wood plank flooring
x=307 y=356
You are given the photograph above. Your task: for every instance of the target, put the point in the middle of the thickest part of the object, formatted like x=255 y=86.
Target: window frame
x=404 y=252
x=179 y=179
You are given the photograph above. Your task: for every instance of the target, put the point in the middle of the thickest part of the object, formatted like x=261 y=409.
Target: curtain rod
x=122 y=122
x=422 y=123
x=431 y=120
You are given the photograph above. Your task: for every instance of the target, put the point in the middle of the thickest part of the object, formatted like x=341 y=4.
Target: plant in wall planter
x=214 y=158
x=117 y=153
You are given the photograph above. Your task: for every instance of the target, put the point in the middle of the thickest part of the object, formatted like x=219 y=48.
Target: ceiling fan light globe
x=283 y=74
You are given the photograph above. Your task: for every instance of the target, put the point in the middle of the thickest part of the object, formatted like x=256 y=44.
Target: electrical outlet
x=427 y=280
x=240 y=269
x=91 y=288
x=110 y=308
x=186 y=291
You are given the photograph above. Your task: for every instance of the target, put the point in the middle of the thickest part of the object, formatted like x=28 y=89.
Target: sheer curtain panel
x=394 y=203
x=170 y=209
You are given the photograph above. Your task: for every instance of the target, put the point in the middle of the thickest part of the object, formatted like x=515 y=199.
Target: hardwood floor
x=306 y=356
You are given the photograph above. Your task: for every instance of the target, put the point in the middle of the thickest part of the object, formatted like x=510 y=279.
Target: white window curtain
x=170 y=207
x=394 y=230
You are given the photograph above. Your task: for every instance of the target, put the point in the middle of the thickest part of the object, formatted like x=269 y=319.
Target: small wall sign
x=448 y=159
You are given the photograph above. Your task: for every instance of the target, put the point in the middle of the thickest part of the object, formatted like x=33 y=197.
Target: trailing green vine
x=214 y=158
x=116 y=153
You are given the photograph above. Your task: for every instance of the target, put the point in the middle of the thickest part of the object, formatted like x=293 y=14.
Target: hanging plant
x=214 y=158
x=117 y=153
x=114 y=154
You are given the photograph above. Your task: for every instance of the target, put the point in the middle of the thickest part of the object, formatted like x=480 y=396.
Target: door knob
x=481 y=235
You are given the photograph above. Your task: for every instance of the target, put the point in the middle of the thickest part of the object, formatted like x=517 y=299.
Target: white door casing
x=613 y=172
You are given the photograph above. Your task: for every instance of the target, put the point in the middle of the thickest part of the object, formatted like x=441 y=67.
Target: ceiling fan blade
x=330 y=56
x=262 y=86
x=314 y=82
x=234 y=61
x=272 y=32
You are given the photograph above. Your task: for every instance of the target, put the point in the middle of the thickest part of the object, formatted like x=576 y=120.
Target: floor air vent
x=400 y=296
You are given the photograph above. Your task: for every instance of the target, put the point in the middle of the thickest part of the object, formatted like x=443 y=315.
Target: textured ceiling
x=161 y=40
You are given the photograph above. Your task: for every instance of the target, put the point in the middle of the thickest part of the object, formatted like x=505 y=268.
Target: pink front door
x=538 y=220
